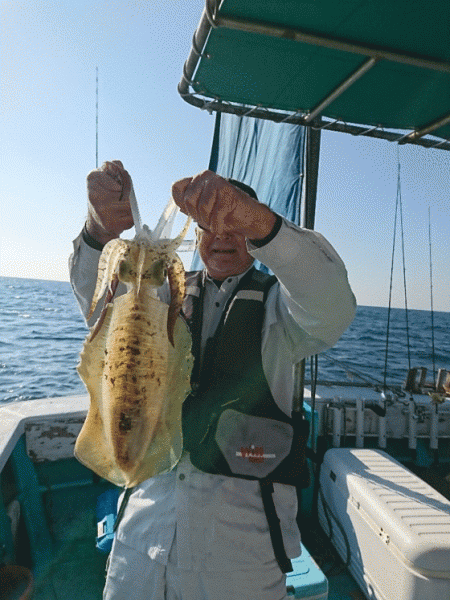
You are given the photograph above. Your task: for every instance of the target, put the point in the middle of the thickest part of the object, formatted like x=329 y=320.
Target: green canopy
x=374 y=67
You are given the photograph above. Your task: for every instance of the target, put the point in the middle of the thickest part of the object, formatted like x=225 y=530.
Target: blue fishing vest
x=231 y=423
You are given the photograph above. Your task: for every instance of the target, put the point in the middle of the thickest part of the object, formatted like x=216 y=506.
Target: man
x=202 y=532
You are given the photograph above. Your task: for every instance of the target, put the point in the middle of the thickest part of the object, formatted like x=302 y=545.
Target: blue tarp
x=267 y=156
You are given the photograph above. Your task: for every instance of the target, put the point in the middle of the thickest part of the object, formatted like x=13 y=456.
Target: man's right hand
x=109 y=211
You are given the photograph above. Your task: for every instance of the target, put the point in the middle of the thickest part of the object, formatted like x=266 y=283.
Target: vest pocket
x=252 y=446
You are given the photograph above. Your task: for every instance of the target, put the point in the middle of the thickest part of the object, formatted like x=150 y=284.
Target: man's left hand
x=220 y=207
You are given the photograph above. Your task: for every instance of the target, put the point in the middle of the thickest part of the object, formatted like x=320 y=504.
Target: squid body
x=136 y=363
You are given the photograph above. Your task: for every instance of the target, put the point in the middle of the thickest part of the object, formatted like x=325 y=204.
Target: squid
x=136 y=360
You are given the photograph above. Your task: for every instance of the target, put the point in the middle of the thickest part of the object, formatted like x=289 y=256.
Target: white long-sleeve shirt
x=219 y=521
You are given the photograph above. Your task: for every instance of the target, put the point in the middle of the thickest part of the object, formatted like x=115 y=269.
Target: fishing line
x=351 y=371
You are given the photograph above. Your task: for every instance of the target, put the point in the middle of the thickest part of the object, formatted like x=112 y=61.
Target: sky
x=49 y=54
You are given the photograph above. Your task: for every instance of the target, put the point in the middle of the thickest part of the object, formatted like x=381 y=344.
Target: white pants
x=132 y=575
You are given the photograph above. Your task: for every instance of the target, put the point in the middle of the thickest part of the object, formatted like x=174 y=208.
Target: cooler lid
x=410 y=515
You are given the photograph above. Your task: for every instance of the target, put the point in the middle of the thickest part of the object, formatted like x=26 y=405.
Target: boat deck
x=341 y=585
x=58 y=496
x=78 y=568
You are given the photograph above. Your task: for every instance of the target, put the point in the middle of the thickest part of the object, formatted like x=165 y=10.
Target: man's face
x=223 y=255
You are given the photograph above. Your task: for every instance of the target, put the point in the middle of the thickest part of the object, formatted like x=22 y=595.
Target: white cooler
x=394 y=528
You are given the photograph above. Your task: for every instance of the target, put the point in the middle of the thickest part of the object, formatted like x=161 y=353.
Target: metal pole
x=309 y=210
x=313 y=136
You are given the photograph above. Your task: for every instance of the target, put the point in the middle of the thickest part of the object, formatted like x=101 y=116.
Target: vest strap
x=274 y=526
x=123 y=505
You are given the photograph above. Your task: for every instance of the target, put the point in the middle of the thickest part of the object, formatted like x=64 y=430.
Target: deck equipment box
x=306 y=581
x=389 y=526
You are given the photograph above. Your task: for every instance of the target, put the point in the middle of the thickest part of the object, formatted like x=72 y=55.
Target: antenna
x=96 y=118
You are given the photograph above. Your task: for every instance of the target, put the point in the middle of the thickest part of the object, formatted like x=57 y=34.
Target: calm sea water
x=42 y=332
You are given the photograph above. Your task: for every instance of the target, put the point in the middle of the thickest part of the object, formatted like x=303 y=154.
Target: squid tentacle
x=109 y=296
x=107 y=266
x=175 y=274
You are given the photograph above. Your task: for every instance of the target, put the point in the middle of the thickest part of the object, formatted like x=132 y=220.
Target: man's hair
x=244 y=187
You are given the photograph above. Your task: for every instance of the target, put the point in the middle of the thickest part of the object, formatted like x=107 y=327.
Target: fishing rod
x=431 y=296
x=96 y=118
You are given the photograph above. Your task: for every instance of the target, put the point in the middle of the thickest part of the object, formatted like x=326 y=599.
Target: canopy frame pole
x=341 y=88
x=298 y=35
x=427 y=129
x=198 y=44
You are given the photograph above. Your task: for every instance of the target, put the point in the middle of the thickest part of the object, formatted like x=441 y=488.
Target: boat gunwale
x=14 y=417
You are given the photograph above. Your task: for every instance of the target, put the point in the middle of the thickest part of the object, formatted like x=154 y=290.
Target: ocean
x=42 y=332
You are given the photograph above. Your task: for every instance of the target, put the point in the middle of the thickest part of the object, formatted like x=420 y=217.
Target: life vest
x=231 y=423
